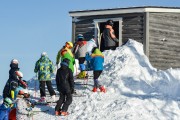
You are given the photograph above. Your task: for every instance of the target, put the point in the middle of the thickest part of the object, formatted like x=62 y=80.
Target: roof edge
x=124 y=10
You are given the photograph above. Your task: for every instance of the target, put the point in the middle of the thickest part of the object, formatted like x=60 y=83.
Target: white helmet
x=43 y=54
x=19 y=74
x=15 y=61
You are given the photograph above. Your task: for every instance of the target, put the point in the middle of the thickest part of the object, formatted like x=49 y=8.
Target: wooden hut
x=157 y=28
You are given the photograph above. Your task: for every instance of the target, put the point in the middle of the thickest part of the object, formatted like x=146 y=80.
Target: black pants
x=64 y=101
x=81 y=60
x=97 y=74
x=49 y=87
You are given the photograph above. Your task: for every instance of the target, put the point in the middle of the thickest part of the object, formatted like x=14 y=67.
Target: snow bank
x=129 y=69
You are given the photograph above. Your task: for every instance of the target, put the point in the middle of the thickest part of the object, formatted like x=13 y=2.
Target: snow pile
x=129 y=68
x=135 y=90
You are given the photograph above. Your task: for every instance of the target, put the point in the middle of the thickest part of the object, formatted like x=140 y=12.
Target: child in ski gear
x=65 y=86
x=11 y=85
x=96 y=60
x=44 y=67
x=65 y=52
x=81 y=49
x=5 y=109
x=110 y=39
x=23 y=105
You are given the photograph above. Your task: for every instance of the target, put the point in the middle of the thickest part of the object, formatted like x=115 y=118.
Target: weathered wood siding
x=132 y=26
x=164 y=40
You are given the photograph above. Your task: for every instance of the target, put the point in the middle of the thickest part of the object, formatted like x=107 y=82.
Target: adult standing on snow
x=109 y=36
x=96 y=60
x=66 y=52
x=65 y=86
x=81 y=49
x=44 y=67
x=5 y=109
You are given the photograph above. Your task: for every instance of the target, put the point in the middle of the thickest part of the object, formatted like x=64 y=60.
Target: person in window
x=110 y=40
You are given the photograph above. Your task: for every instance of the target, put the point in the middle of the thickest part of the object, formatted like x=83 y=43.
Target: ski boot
x=57 y=113
x=102 y=89
x=64 y=113
x=81 y=75
x=94 y=89
x=42 y=100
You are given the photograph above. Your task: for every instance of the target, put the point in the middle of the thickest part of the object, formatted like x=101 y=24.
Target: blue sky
x=29 y=27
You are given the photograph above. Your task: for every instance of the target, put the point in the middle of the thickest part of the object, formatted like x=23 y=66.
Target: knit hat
x=14 y=61
x=43 y=54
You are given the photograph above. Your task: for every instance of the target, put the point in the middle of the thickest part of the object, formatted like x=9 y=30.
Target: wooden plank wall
x=164 y=46
x=132 y=26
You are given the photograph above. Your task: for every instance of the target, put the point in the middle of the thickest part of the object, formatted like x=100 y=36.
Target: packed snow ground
x=135 y=90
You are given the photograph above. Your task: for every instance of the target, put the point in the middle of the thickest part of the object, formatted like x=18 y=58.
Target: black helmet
x=110 y=22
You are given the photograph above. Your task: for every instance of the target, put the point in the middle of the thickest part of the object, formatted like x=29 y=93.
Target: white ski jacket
x=21 y=112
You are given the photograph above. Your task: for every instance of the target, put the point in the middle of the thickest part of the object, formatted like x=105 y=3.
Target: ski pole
x=35 y=83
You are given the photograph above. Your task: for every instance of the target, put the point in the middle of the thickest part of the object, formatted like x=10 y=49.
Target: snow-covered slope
x=135 y=90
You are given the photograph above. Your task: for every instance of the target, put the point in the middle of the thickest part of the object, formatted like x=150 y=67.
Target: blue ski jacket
x=96 y=60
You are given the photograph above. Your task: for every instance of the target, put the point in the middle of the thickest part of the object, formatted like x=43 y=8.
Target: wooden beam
x=146 y=34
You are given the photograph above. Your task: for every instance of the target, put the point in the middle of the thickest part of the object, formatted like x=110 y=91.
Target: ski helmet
x=110 y=22
x=19 y=74
x=70 y=44
x=80 y=36
x=23 y=91
x=14 y=61
x=7 y=101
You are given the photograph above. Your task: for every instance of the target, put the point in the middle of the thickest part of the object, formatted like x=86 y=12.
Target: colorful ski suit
x=44 y=67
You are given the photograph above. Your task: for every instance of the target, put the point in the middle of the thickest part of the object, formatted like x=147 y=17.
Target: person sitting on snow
x=65 y=86
x=5 y=109
x=96 y=60
x=81 y=49
x=24 y=106
x=20 y=92
x=44 y=68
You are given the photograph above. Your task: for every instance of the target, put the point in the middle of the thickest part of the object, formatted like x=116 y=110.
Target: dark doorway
x=102 y=26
